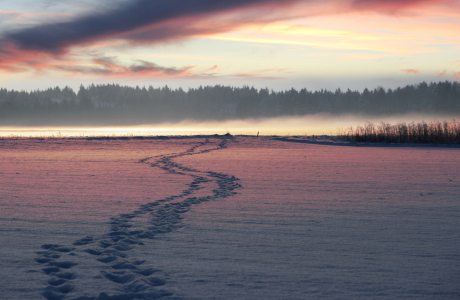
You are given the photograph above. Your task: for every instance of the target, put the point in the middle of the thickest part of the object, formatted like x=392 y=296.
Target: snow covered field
x=227 y=218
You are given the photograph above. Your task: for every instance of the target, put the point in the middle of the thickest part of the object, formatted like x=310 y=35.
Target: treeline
x=115 y=104
x=419 y=133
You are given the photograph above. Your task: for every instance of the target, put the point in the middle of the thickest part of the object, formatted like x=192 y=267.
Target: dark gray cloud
x=108 y=66
x=149 y=67
x=123 y=19
x=157 y=20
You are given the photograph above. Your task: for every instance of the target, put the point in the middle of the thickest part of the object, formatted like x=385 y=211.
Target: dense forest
x=112 y=104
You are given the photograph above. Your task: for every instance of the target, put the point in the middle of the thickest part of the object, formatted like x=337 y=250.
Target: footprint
x=42 y=260
x=114 y=252
x=107 y=259
x=56 y=282
x=146 y=272
x=64 y=264
x=119 y=278
x=65 y=275
x=57 y=248
x=156 y=281
x=84 y=241
x=51 y=270
x=48 y=254
x=93 y=252
x=123 y=266
x=165 y=215
x=50 y=295
x=63 y=289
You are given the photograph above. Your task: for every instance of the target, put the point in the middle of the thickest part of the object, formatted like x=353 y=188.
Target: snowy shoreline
x=316 y=140
x=335 y=141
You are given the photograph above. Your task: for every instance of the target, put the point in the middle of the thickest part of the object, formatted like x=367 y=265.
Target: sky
x=276 y=44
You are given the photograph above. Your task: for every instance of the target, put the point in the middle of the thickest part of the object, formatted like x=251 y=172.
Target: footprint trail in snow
x=104 y=263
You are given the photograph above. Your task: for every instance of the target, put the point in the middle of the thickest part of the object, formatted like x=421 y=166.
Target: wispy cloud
x=138 y=22
x=441 y=73
x=135 y=22
x=261 y=74
x=109 y=67
x=410 y=71
x=395 y=6
x=131 y=19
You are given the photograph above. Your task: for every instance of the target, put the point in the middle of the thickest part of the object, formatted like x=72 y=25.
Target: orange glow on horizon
x=319 y=124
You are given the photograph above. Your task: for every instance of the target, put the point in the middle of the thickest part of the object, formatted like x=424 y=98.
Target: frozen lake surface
x=227 y=218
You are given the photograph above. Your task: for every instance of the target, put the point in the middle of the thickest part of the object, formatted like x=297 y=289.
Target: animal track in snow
x=109 y=253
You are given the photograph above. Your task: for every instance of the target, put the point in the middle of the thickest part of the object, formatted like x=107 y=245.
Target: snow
x=227 y=218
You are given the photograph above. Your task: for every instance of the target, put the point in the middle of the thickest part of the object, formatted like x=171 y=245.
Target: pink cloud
x=410 y=71
x=215 y=67
x=395 y=6
x=260 y=73
x=441 y=73
x=108 y=67
x=255 y=75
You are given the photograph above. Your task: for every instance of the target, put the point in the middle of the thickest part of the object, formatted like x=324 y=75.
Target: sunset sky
x=274 y=44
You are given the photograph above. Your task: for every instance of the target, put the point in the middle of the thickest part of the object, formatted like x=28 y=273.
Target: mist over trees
x=112 y=104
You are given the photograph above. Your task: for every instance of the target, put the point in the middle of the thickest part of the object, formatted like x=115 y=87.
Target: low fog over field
x=115 y=105
x=319 y=124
